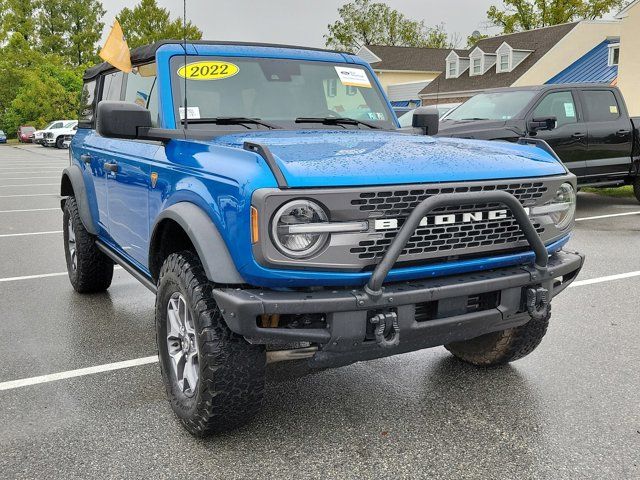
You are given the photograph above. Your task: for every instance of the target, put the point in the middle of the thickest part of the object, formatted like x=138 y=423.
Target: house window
x=453 y=69
x=614 y=54
x=504 y=62
x=477 y=66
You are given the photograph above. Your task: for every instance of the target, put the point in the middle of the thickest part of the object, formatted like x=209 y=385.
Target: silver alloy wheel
x=182 y=345
x=71 y=243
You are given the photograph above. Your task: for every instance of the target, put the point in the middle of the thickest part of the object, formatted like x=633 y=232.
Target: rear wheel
x=214 y=378
x=636 y=187
x=498 y=348
x=89 y=269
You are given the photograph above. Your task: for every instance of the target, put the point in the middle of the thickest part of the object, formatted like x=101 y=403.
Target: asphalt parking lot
x=570 y=410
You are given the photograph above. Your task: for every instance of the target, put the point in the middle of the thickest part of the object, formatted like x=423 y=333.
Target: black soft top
x=147 y=53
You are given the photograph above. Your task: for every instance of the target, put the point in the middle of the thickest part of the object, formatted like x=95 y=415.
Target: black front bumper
x=429 y=312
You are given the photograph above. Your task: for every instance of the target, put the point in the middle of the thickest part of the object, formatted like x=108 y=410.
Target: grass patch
x=619 y=192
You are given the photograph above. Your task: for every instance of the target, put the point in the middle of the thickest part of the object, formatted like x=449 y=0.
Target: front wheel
x=498 y=348
x=60 y=142
x=214 y=378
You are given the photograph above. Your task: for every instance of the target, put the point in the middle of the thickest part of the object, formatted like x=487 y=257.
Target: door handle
x=578 y=135
x=86 y=158
x=622 y=133
x=112 y=167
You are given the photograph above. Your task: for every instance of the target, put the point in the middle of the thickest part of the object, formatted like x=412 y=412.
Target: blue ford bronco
x=268 y=197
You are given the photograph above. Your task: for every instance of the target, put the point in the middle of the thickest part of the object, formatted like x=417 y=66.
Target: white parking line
x=608 y=278
x=30 y=185
x=30 y=210
x=24 y=173
x=597 y=217
x=32 y=195
x=32 y=277
x=30 y=178
x=5 y=235
x=78 y=373
x=30 y=167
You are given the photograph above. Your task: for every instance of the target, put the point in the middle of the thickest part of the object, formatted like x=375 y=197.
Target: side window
x=87 y=105
x=112 y=86
x=601 y=105
x=140 y=88
x=559 y=105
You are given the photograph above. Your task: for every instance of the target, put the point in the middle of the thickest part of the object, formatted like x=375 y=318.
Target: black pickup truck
x=587 y=125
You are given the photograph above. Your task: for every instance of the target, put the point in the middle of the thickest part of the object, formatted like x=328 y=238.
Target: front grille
x=447 y=239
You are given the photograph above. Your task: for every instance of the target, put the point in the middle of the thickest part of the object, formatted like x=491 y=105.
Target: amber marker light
x=255 y=236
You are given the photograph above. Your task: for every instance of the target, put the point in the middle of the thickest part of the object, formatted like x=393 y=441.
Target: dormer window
x=452 y=69
x=481 y=61
x=509 y=58
x=504 y=62
x=455 y=65
x=477 y=66
x=614 y=54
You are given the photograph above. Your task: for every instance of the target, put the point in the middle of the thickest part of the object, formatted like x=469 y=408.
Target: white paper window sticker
x=353 y=77
x=193 y=113
x=569 y=110
x=613 y=109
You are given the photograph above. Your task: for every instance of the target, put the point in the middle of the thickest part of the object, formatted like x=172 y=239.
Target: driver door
x=569 y=138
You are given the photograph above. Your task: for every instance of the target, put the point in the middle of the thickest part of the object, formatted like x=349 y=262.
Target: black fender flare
x=205 y=237
x=72 y=183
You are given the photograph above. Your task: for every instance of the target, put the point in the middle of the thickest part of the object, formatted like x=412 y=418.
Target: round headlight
x=291 y=218
x=563 y=206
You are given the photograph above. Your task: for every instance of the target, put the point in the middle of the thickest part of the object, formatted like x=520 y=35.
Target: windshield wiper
x=234 y=121
x=474 y=118
x=336 y=121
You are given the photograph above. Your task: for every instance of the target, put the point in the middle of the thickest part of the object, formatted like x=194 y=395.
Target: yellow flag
x=115 y=49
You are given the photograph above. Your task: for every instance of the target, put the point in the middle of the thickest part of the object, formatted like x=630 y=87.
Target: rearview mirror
x=537 y=124
x=121 y=119
x=426 y=119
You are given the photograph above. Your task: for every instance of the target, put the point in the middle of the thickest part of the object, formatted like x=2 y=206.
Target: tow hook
x=386 y=322
x=538 y=302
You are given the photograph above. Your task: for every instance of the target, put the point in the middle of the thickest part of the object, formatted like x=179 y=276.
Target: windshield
x=49 y=126
x=283 y=93
x=493 y=106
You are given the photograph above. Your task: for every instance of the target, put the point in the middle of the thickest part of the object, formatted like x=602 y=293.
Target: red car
x=25 y=134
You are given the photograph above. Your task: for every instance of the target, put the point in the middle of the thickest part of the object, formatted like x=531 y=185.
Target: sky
x=304 y=22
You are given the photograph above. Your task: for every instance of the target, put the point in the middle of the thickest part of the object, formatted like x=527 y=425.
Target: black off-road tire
x=60 y=142
x=498 y=348
x=230 y=387
x=93 y=270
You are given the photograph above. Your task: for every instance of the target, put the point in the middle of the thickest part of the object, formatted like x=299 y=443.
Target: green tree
x=18 y=16
x=518 y=15
x=84 y=20
x=52 y=26
x=147 y=23
x=363 y=22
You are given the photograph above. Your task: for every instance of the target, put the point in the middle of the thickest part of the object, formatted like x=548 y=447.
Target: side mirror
x=121 y=119
x=426 y=119
x=537 y=124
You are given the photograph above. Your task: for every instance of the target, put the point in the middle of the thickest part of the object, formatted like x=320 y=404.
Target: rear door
x=569 y=138
x=610 y=134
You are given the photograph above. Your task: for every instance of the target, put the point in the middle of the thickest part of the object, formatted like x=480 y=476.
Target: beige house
x=404 y=71
x=593 y=51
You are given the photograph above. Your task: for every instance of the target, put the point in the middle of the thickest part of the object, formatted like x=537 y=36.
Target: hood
x=321 y=158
